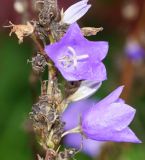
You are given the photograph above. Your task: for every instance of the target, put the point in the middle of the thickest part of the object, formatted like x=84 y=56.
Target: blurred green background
x=17 y=93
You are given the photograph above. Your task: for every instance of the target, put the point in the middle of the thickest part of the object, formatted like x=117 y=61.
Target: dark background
x=18 y=92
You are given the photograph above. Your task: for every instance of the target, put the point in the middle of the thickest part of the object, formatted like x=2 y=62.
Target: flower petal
x=90 y=147
x=96 y=72
x=75 y=12
x=125 y=135
x=115 y=116
x=76 y=110
x=112 y=97
x=86 y=89
x=101 y=48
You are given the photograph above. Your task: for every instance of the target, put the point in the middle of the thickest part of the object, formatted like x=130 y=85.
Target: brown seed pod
x=67 y=154
x=38 y=63
x=49 y=12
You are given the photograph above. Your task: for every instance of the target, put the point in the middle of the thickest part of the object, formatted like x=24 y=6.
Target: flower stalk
x=74 y=130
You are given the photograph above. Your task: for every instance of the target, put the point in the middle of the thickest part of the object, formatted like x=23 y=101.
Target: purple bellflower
x=134 y=50
x=77 y=58
x=71 y=117
x=75 y=12
x=108 y=120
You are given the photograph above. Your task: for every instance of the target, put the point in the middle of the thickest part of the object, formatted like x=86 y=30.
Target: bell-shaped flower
x=108 y=120
x=90 y=147
x=77 y=58
x=75 y=12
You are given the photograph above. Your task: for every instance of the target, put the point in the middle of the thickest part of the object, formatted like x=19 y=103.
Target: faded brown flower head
x=21 y=30
x=90 y=31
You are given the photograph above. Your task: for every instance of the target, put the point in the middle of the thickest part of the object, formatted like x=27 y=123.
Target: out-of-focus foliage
x=15 y=99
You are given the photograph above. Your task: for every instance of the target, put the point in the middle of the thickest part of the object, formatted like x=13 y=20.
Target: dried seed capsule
x=43 y=116
x=41 y=32
x=50 y=154
x=38 y=63
x=49 y=12
x=58 y=30
x=55 y=135
x=66 y=154
x=58 y=130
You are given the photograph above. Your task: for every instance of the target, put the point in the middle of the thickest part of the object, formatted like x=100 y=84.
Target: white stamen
x=72 y=59
x=75 y=57
x=81 y=57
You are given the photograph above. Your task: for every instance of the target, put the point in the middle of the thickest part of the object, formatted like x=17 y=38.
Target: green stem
x=51 y=71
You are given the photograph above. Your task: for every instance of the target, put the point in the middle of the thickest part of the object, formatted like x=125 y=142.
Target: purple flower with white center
x=90 y=147
x=134 y=50
x=77 y=58
x=75 y=12
x=108 y=120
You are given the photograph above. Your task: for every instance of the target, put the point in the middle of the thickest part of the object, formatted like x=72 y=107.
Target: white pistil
x=72 y=58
